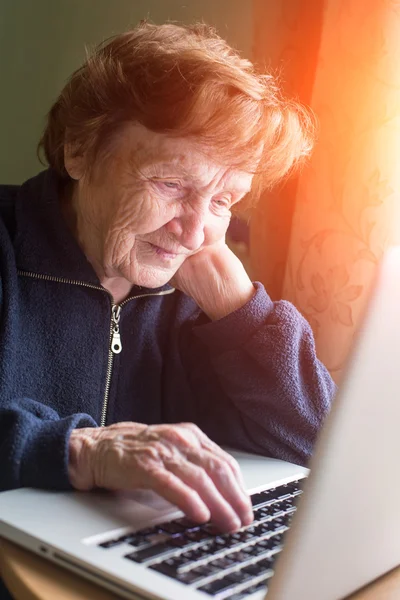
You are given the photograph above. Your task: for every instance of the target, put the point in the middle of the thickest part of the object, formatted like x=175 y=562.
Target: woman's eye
x=222 y=202
x=172 y=185
x=167 y=184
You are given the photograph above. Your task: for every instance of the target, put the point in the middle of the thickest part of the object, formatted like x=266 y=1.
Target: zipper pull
x=116 y=345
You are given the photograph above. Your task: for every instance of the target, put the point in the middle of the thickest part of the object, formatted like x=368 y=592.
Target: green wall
x=43 y=41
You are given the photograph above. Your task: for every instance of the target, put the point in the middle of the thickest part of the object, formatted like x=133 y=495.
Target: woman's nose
x=188 y=230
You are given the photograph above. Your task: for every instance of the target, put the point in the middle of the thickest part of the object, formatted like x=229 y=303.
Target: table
x=30 y=577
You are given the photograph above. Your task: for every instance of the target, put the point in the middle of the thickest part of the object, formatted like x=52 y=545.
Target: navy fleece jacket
x=250 y=380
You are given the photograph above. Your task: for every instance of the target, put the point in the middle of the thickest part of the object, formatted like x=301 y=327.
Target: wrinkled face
x=154 y=202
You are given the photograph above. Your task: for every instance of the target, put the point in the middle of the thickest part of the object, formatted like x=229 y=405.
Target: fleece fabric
x=250 y=380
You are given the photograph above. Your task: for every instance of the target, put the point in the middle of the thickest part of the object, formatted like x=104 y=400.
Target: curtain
x=318 y=239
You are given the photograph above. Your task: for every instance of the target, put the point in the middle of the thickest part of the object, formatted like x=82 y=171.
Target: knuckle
x=159 y=448
x=165 y=478
x=182 y=437
x=232 y=462
x=173 y=459
x=235 y=467
x=191 y=426
x=186 y=424
x=193 y=429
x=159 y=477
x=219 y=468
x=150 y=453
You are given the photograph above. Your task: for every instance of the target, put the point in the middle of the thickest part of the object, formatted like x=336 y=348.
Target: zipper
x=115 y=345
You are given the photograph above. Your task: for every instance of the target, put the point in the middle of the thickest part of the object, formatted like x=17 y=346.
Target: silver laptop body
x=346 y=530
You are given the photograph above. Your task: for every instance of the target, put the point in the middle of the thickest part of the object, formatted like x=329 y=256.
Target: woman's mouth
x=163 y=252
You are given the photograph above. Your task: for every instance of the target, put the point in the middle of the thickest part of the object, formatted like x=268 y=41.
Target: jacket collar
x=43 y=242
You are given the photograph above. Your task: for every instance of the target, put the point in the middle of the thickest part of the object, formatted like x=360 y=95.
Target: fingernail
x=204 y=516
x=249 y=518
x=235 y=524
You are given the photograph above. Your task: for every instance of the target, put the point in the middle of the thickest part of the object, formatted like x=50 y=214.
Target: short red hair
x=183 y=81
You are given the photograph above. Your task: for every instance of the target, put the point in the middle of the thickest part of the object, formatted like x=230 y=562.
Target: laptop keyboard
x=225 y=566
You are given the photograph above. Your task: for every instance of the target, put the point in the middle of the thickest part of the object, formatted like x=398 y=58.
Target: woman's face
x=153 y=202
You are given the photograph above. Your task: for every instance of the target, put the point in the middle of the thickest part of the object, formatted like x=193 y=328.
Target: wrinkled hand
x=179 y=462
x=216 y=279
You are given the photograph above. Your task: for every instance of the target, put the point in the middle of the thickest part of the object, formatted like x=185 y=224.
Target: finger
x=175 y=491
x=208 y=444
x=232 y=462
x=194 y=476
x=226 y=483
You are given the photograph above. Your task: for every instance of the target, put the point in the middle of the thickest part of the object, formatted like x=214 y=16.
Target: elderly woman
x=132 y=339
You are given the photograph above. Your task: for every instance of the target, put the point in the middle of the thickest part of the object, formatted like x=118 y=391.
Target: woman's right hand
x=179 y=462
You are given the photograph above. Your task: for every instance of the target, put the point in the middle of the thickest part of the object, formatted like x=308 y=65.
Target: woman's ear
x=73 y=161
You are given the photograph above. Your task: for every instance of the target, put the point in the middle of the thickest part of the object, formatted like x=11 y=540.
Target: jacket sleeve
x=33 y=437
x=34 y=445
x=273 y=393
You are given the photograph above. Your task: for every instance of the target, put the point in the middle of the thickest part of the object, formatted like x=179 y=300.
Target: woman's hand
x=179 y=462
x=216 y=280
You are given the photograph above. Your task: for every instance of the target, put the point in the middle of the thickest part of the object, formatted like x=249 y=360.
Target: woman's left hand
x=216 y=279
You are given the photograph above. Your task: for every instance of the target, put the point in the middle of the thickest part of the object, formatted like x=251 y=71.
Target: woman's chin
x=153 y=278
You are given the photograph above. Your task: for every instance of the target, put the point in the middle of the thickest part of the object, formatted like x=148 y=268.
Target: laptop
x=317 y=535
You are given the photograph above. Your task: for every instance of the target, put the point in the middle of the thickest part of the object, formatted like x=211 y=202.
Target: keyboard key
x=134 y=539
x=236 y=577
x=197 y=535
x=172 y=527
x=224 y=562
x=164 y=569
x=286 y=505
x=230 y=542
x=210 y=528
x=273 y=494
x=190 y=577
x=191 y=555
x=209 y=548
x=254 y=550
x=110 y=543
x=169 y=565
x=220 y=542
x=240 y=556
x=149 y=552
x=148 y=531
x=257 y=499
x=266 y=563
x=137 y=541
x=217 y=586
x=274 y=542
x=243 y=536
x=285 y=496
x=254 y=569
x=128 y=537
x=294 y=487
x=267 y=527
x=275 y=509
x=205 y=570
x=260 y=586
x=180 y=541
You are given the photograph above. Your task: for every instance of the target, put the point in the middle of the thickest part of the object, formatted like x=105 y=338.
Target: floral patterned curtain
x=317 y=241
